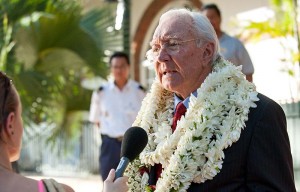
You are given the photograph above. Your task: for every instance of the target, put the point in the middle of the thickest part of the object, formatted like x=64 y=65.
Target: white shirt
x=116 y=109
x=233 y=50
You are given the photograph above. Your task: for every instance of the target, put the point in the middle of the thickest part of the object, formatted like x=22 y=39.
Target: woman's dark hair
x=8 y=99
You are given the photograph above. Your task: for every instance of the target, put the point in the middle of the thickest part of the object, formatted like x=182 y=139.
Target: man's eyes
x=172 y=44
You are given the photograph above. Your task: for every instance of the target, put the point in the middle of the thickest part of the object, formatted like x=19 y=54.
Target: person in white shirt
x=231 y=48
x=114 y=107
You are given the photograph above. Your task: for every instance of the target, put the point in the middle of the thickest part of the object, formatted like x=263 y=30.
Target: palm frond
x=56 y=48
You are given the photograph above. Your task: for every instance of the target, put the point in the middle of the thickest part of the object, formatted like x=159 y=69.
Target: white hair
x=200 y=25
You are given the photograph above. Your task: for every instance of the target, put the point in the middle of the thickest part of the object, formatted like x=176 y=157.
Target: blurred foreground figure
x=11 y=131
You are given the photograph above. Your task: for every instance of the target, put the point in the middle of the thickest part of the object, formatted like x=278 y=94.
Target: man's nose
x=163 y=54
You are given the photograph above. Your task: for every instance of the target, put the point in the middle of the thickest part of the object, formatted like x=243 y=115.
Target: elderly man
x=228 y=138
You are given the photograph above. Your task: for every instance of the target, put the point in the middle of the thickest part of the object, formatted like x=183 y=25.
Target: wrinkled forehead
x=172 y=26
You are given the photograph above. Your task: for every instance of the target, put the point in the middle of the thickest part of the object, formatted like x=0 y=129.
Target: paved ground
x=93 y=183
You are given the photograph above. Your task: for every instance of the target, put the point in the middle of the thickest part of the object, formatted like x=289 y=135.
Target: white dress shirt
x=116 y=109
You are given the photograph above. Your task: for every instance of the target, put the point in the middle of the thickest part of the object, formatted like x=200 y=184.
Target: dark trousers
x=110 y=151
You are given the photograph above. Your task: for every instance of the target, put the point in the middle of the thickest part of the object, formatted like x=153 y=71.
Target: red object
x=143 y=169
x=179 y=111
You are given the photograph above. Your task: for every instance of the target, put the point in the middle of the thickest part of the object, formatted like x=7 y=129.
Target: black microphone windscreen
x=134 y=141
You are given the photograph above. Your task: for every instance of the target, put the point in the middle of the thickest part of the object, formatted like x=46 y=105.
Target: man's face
x=119 y=69
x=179 y=68
x=214 y=18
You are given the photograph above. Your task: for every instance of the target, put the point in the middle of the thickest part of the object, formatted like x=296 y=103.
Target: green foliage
x=282 y=26
x=48 y=47
x=16 y=9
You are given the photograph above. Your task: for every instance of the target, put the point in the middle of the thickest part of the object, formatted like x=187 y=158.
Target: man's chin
x=170 y=86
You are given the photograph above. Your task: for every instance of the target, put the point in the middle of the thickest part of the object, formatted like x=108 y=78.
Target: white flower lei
x=213 y=121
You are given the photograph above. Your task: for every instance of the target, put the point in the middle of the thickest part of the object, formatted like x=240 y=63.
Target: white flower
x=144 y=180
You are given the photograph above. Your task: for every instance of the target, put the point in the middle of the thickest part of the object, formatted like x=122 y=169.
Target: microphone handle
x=124 y=161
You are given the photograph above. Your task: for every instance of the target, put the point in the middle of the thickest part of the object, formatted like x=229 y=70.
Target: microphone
x=134 y=141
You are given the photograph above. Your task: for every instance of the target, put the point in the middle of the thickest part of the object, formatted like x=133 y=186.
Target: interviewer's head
x=184 y=45
x=11 y=124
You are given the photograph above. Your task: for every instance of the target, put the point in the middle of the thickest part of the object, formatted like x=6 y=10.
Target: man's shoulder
x=266 y=106
x=230 y=38
x=141 y=88
x=136 y=85
x=266 y=100
x=103 y=87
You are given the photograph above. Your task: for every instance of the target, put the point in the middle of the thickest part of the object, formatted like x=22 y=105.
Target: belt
x=115 y=138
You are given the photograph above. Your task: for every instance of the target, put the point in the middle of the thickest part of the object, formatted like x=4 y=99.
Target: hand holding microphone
x=118 y=185
x=134 y=141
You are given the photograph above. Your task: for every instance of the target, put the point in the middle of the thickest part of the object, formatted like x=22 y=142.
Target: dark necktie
x=157 y=168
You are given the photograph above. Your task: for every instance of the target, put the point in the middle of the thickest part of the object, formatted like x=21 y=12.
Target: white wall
x=266 y=55
x=269 y=76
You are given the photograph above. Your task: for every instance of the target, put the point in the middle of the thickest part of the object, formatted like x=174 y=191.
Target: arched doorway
x=146 y=27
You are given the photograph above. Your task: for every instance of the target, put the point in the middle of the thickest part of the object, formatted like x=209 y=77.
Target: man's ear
x=208 y=53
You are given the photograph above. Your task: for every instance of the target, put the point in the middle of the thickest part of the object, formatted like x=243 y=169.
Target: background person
x=114 y=107
x=231 y=48
x=11 y=131
x=228 y=138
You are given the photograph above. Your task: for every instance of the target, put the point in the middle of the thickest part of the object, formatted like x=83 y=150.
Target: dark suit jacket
x=261 y=159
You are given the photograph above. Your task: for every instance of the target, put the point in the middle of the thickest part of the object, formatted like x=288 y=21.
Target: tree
x=48 y=47
x=284 y=27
